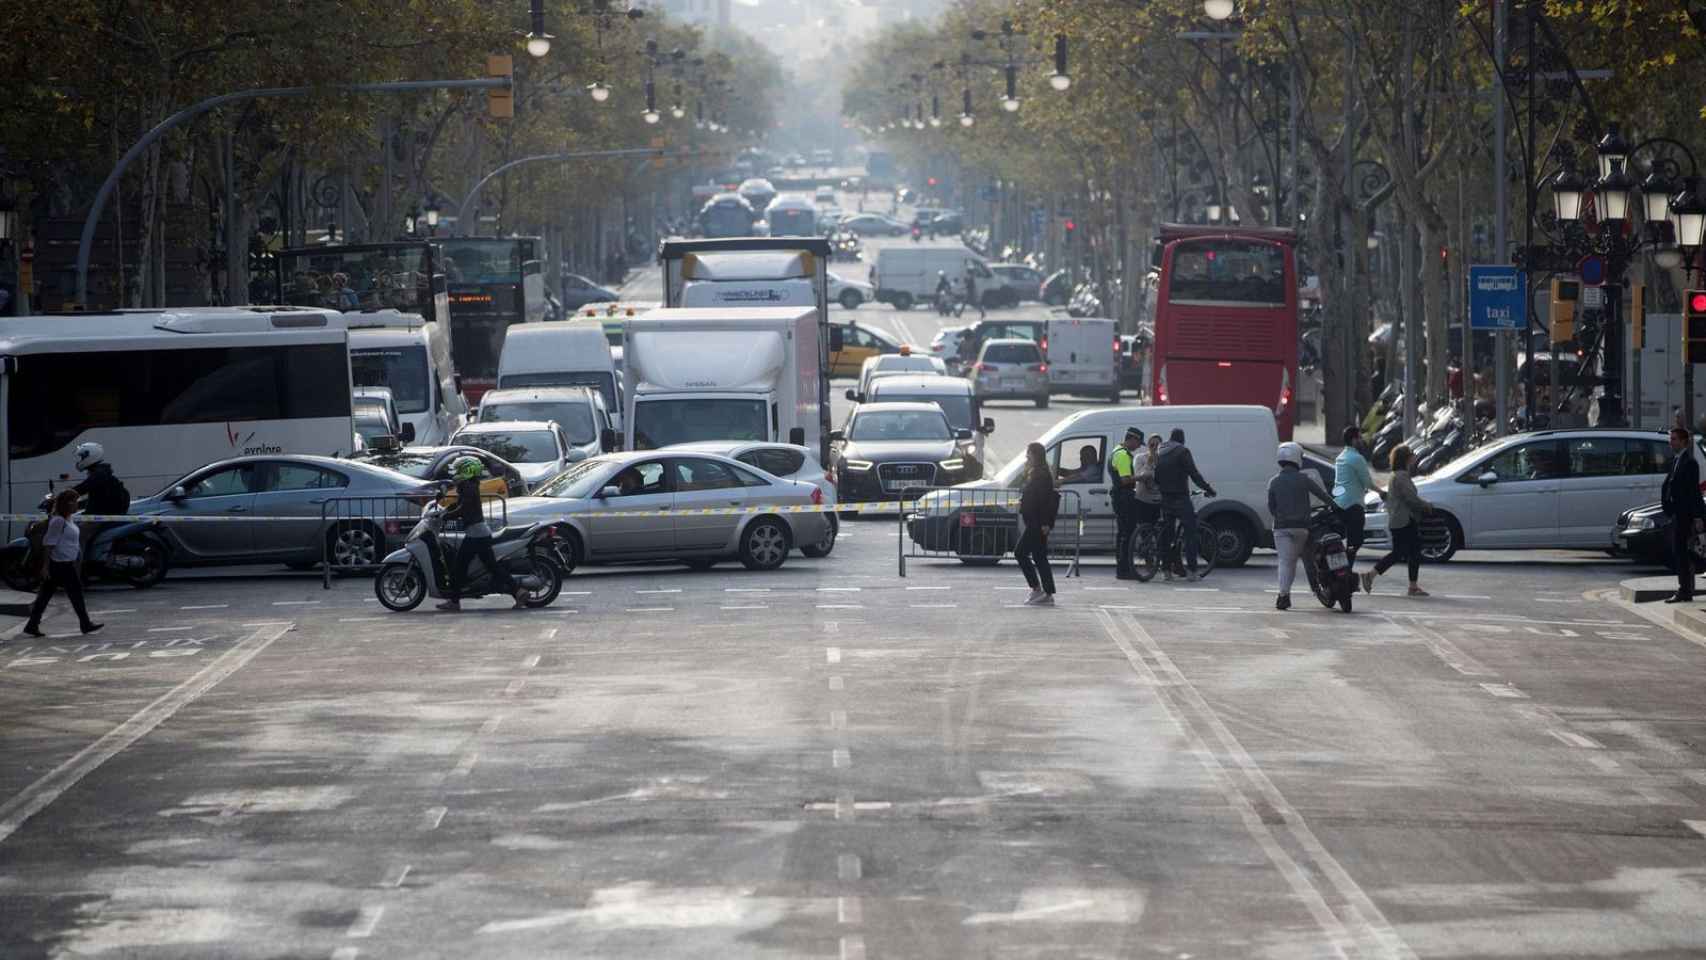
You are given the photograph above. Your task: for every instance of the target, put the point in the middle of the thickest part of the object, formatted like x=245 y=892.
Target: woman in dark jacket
x=1038 y=505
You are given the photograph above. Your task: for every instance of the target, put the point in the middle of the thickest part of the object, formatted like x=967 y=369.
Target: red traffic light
x=1697 y=301
x=932 y=181
x=1070 y=226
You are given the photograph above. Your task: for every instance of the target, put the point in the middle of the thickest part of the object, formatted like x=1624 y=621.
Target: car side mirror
x=610 y=491
x=1487 y=479
x=177 y=493
x=608 y=441
x=988 y=426
x=962 y=434
x=852 y=395
x=797 y=436
x=836 y=436
x=408 y=433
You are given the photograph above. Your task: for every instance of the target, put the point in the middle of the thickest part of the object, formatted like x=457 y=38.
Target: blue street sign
x=1592 y=270
x=1497 y=298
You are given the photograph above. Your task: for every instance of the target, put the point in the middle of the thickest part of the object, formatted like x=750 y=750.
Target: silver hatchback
x=1011 y=368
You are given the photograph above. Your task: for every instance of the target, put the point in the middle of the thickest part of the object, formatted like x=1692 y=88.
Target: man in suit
x=1682 y=502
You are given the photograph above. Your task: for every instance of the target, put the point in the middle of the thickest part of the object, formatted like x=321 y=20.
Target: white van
x=1084 y=357
x=1235 y=448
x=410 y=357
x=908 y=275
x=559 y=355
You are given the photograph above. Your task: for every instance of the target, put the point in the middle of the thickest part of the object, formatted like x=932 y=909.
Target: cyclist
x=1175 y=471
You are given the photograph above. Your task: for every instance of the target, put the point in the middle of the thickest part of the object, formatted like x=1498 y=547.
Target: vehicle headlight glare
x=856 y=466
x=953 y=466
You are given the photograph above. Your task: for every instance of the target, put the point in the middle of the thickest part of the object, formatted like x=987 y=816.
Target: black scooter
x=1327 y=562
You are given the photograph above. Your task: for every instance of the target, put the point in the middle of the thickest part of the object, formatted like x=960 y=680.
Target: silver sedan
x=646 y=505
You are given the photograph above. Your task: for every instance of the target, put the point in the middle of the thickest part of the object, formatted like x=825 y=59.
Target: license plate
x=1013 y=382
x=1337 y=561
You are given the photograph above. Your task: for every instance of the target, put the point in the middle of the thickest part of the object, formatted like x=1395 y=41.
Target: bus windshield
x=402 y=369
x=359 y=278
x=489 y=260
x=1227 y=271
x=726 y=220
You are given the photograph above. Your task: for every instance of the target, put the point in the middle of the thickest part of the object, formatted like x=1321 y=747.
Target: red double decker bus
x=1226 y=318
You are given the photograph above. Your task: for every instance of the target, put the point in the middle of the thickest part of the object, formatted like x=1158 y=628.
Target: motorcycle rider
x=944 y=292
x=1175 y=469
x=103 y=492
x=476 y=535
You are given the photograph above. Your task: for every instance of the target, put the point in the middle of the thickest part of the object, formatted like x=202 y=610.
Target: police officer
x=1123 y=478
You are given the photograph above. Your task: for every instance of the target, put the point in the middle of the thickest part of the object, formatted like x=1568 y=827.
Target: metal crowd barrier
x=979 y=526
x=356 y=533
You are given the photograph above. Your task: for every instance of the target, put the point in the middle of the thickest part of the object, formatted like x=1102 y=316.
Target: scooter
x=132 y=553
x=420 y=568
x=1328 y=563
x=944 y=303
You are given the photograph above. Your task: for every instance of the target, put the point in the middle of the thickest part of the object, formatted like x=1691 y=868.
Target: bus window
x=1227 y=271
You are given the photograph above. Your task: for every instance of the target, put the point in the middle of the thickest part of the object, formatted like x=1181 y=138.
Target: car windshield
x=957 y=409
x=881 y=425
x=662 y=423
x=517 y=446
x=580 y=481
x=402 y=369
x=599 y=379
x=574 y=417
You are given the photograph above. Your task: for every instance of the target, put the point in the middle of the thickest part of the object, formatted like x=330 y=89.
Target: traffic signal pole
x=87 y=240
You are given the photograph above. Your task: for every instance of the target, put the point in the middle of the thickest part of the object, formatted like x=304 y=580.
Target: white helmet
x=89 y=454
x=1291 y=453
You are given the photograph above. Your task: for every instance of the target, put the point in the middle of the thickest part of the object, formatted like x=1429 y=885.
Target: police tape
x=871 y=507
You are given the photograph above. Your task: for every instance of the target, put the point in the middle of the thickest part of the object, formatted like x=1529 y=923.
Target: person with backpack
x=1175 y=471
x=103 y=492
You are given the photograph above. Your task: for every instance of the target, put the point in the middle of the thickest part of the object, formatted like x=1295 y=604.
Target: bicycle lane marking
x=49 y=787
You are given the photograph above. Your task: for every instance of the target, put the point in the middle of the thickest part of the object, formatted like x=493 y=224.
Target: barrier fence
x=980 y=526
x=356 y=533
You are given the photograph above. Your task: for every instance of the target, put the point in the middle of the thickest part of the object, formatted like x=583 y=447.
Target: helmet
x=1291 y=453
x=467 y=468
x=89 y=454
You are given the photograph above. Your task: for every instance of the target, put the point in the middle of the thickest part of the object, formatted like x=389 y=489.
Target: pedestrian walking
x=1404 y=511
x=972 y=297
x=64 y=545
x=1289 y=492
x=1681 y=501
x=1352 y=481
x=1039 y=504
x=1175 y=471
x=1122 y=478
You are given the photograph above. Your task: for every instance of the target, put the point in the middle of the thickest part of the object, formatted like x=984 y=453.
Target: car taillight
x=1161 y=386
x=986 y=368
x=1039 y=368
x=817 y=497
x=1043 y=344
x=935 y=348
x=1117 y=345
x=1284 y=394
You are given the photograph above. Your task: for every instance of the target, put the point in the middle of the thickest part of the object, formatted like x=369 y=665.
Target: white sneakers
x=1039 y=599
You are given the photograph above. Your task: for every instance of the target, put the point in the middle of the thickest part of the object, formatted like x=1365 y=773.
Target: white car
x=946 y=344
x=780 y=460
x=849 y=293
x=896 y=364
x=1554 y=489
x=537 y=449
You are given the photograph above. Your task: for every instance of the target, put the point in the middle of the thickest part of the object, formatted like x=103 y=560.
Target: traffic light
x=500 y=101
x=1694 y=326
x=1562 y=311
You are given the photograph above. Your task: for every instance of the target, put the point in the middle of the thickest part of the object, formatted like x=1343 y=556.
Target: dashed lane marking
x=1576 y=740
x=944 y=587
x=1504 y=690
x=932 y=606
x=1465 y=596
x=361 y=619
x=432 y=817
x=852 y=947
x=465 y=765
x=345 y=953
x=292 y=603
x=849 y=910
x=836 y=683
x=1698 y=826
x=514 y=687
x=841 y=606
x=833 y=654
x=838 y=719
x=745 y=606
x=530 y=662
x=206 y=606
x=848 y=867
x=650 y=609
x=171 y=629
x=839 y=589
x=491 y=725
x=396 y=877
x=668 y=590
x=366 y=919
x=841 y=758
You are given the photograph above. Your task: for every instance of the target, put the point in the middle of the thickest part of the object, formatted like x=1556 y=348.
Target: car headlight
x=856 y=466
x=1645 y=523
x=953 y=466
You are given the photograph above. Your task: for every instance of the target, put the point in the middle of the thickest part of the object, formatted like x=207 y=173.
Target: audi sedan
x=694 y=508
x=888 y=449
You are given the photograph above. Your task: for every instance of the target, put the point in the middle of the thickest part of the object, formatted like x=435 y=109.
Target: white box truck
x=723 y=373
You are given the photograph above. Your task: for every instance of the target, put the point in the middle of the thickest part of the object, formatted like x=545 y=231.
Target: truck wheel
x=902 y=301
x=850 y=299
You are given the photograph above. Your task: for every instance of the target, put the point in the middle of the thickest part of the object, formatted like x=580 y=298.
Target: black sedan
x=1643 y=535
x=888 y=449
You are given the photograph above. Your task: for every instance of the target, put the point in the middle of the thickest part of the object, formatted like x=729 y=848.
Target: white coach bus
x=166 y=391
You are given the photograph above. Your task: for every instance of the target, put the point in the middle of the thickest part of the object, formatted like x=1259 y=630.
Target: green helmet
x=467 y=468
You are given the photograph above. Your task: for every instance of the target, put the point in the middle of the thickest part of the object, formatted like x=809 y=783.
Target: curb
x=1647 y=589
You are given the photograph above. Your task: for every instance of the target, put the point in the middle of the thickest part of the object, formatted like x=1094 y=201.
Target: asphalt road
x=832 y=761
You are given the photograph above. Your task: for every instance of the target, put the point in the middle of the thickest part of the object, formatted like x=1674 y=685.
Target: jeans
x=64 y=575
x=1355 y=519
x=1289 y=542
x=1185 y=512
x=1032 y=552
x=477 y=547
x=1406 y=546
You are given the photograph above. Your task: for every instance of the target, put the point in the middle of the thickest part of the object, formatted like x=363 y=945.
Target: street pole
x=87 y=240
x=474 y=192
x=1530 y=188
x=1501 y=216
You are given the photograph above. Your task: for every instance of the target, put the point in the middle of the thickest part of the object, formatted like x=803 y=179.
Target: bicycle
x=1146 y=550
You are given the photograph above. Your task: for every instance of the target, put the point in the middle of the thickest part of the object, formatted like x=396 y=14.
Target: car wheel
x=1042 y=402
x=850 y=299
x=764 y=545
x=1233 y=541
x=826 y=543
x=1442 y=537
x=355 y=544
x=903 y=301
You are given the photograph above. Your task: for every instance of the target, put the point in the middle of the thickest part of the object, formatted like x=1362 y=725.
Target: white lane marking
x=836 y=683
x=397 y=876
x=1504 y=690
x=530 y=662
x=549 y=633
x=361 y=619
x=841 y=606
x=1576 y=740
x=841 y=758
x=466 y=765
x=667 y=590
x=34 y=798
x=575 y=593
x=432 y=817
x=1465 y=596
x=833 y=654
x=745 y=606
x=931 y=588
x=345 y=953
x=1604 y=763
x=848 y=867
x=206 y=606
x=838 y=719
x=852 y=947
x=293 y=603
x=746 y=589
x=514 y=687
x=1358 y=923
x=491 y=726
x=1012 y=588
x=1197 y=589
x=839 y=589
x=365 y=921
x=650 y=609
x=169 y=629
x=270 y=623
x=1698 y=826
x=932 y=606
x=851 y=910
x=1554 y=600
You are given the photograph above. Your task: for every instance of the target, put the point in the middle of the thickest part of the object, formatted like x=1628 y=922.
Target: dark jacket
x=1175 y=469
x=1681 y=494
x=107 y=494
x=467 y=509
x=1288 y=498
x=1039 y=504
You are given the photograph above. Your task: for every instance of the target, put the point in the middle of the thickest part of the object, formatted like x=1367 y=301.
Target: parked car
x=849 y=293
x=537 y=448
x=782 y=460
x=1018 y=283
x=1643 y=535
x=248 y=492
x=1011 y=368
x=1552 y=489
x=501 y=478
x=665 y=486
x=886 y=449
x=874 y=224
x=578 y=291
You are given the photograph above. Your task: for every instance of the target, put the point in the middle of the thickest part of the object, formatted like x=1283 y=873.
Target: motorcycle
x=126 y=552
x=1328 y=564
x=421 y=566
x=944 y=303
